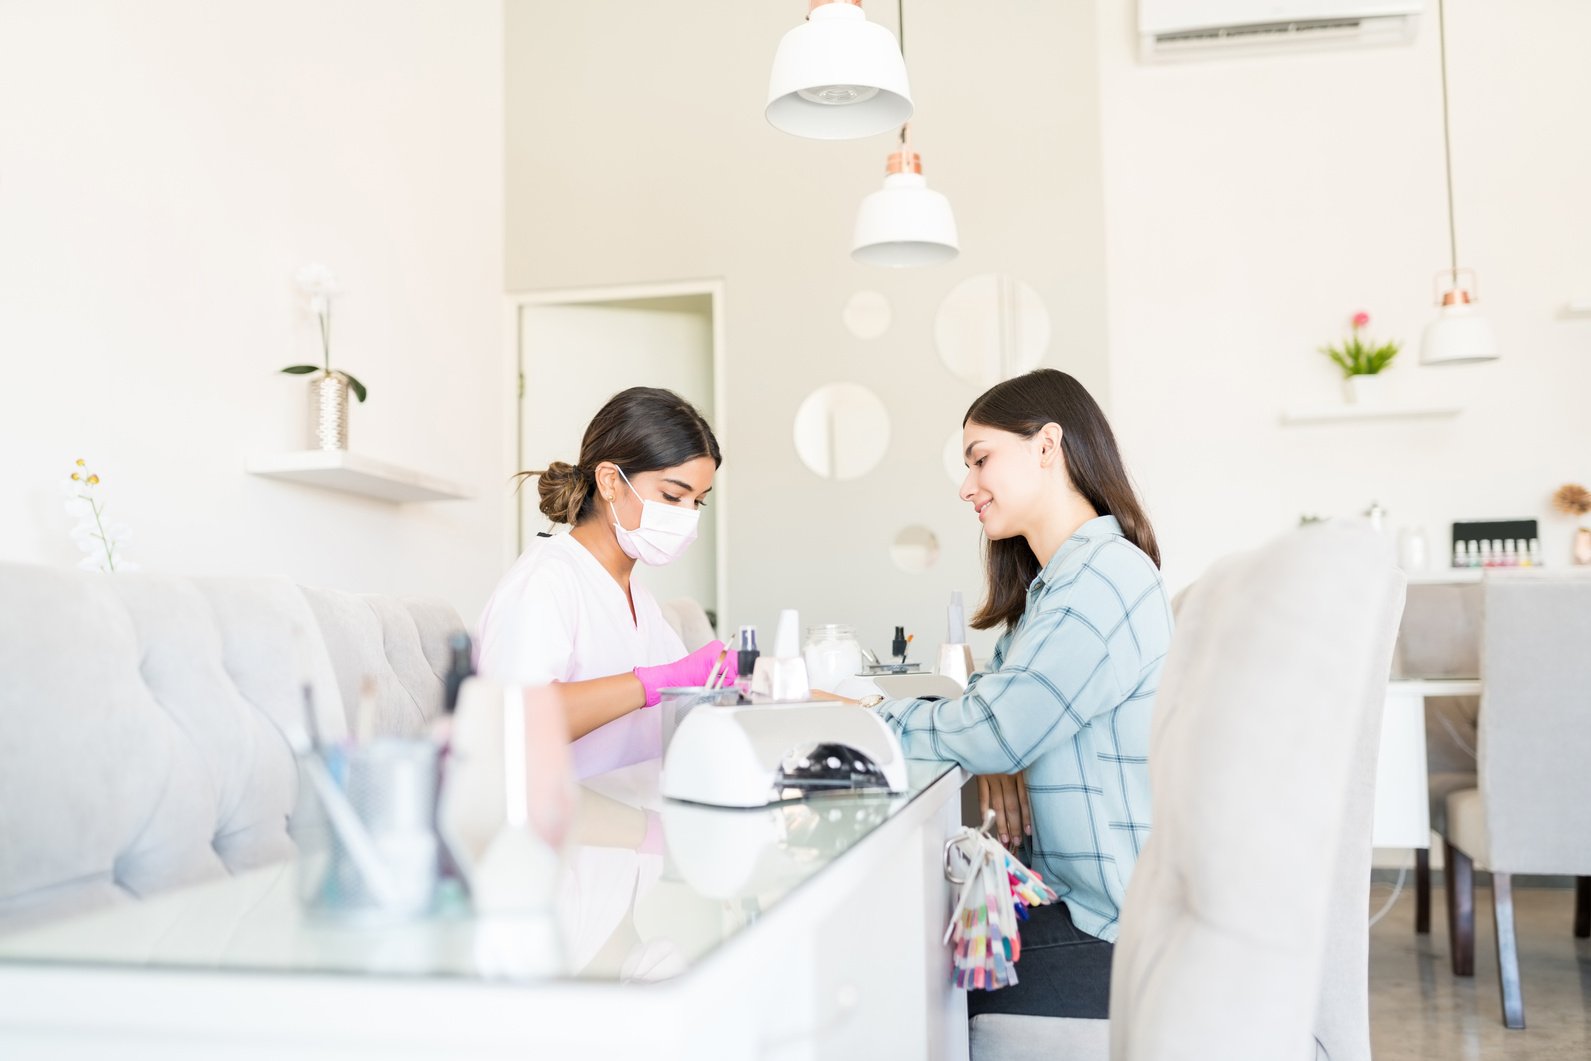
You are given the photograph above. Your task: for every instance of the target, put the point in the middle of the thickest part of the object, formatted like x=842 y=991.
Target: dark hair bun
x=563 y=489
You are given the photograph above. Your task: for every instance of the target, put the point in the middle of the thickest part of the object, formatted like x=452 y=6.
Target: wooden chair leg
x=1460 y=870
x=1422 y=891
x=1582 y=907
x=1507 y=950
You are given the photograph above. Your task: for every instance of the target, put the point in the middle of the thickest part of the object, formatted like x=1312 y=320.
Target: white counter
x=800 y=932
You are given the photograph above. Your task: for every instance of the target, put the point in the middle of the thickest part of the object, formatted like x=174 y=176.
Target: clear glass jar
x=832 y=654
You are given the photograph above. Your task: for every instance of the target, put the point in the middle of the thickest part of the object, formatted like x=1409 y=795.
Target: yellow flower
x=93 y=480
x=81 y=463
x=76 y=477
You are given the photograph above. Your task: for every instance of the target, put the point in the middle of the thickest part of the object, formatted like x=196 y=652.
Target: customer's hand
x=689 y=671
x=1007 y=796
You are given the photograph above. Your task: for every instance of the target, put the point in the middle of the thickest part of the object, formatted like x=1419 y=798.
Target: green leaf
x=301 y=370
x=355 y=386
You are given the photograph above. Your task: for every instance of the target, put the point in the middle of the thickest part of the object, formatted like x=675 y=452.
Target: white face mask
x=664 y=534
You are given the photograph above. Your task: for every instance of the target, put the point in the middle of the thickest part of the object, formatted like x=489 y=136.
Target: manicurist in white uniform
x=568 y=611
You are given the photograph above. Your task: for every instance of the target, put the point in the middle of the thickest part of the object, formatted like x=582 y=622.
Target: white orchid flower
x=318 y=282
x=99 y=540
x=316 y=279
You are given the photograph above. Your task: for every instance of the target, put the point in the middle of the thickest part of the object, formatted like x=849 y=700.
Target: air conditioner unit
x=1194 y=29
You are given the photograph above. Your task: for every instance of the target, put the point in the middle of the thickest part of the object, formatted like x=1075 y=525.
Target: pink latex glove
x=687 y=672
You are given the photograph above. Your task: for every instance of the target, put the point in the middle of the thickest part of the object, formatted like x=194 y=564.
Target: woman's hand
x=688 y=672
x=1007 y=796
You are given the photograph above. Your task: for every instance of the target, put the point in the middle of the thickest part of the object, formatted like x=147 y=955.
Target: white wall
x=1253 y=204
x=165 y=167
x=638 y=152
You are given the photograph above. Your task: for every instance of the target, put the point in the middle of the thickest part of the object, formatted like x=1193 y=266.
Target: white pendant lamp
x=1460 y=334
x=838 y=76
x=905 y=223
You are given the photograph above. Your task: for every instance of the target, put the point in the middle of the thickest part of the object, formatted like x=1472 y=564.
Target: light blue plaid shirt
x=1067 y=698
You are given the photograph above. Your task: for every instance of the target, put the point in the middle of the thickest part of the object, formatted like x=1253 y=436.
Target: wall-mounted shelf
x=1580 y=307
x=340 y=470
x=1325 y=414
x=1442 y=576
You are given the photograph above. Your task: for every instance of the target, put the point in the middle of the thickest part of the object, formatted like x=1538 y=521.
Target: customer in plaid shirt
x=1073 y=573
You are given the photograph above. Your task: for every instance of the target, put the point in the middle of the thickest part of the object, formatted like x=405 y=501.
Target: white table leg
x=1402 y=809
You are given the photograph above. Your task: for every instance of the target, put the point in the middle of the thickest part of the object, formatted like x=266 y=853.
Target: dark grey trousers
x=1063 y=972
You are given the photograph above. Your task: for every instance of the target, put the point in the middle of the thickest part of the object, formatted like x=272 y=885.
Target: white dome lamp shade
x=1459 y=335
x=905 y=223
x=838 y=76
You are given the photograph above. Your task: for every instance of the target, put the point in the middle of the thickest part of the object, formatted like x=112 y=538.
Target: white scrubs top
x=558 y=616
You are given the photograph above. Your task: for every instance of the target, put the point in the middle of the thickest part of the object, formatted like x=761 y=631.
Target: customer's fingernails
x=1004 y=839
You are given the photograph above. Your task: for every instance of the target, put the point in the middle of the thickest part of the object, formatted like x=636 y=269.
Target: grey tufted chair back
x=142 y=721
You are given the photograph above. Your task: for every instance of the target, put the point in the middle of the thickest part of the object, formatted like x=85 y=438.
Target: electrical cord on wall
x=1397 y=890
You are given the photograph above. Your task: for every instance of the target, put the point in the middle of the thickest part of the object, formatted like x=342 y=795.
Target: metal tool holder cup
x=366 y=830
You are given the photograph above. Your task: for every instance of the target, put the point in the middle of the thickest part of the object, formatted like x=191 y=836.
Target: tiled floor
x=1419 y=1009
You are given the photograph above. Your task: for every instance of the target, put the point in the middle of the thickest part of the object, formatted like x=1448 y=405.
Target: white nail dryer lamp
x=768 y=753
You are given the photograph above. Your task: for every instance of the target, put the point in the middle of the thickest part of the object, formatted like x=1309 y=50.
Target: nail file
x=719 y=671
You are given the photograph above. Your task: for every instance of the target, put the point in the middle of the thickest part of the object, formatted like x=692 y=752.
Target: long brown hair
x=641 y=429
x=1023 y=406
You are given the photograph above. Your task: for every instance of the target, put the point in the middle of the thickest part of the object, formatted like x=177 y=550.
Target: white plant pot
x=1364 y=390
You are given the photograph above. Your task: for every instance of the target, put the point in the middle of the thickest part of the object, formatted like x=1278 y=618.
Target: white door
x=574 y=357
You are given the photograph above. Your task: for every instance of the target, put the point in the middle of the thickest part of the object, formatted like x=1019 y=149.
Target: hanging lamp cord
x=1447 y=140
x=900 y=28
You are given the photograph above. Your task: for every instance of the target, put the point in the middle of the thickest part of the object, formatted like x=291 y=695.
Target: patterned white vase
x=328 y=411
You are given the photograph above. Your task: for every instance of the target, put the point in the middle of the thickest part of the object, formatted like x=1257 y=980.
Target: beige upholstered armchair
x=1244 y=935
x=1527 y=811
